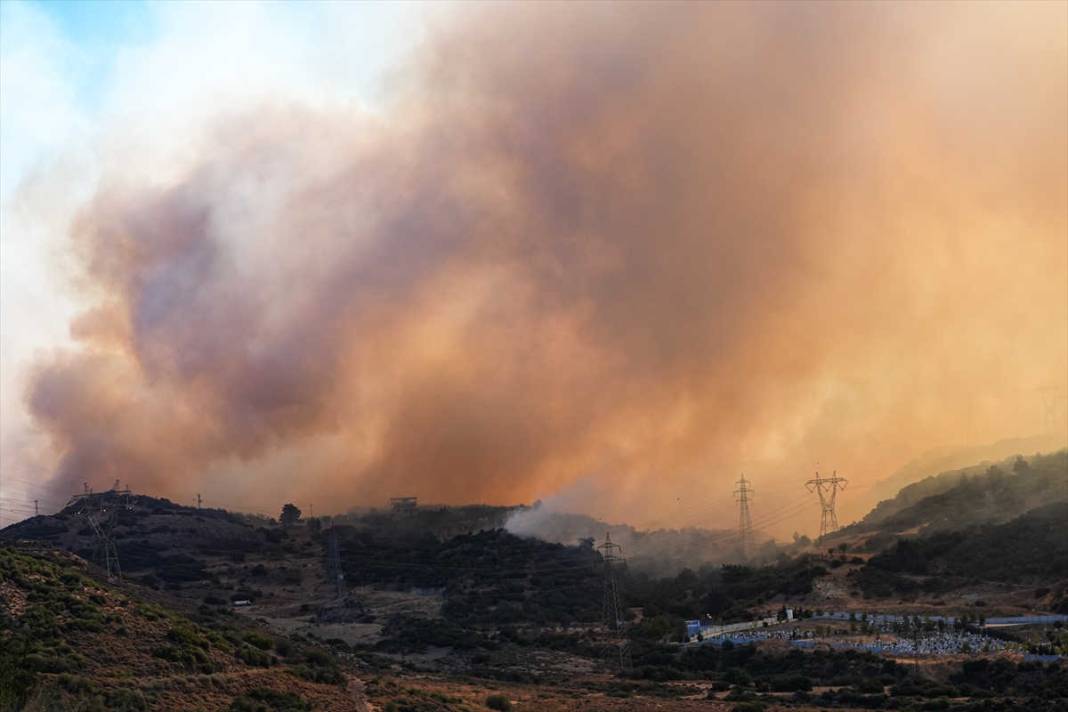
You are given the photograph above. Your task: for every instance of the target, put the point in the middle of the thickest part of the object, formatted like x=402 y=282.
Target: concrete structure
x=712 y=631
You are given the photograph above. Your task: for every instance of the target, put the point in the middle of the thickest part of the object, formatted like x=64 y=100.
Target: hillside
x=189 y=552
x=433 y=617
x=1031 y=549
x=69 y=641
x=975 y=458
x=964 y=498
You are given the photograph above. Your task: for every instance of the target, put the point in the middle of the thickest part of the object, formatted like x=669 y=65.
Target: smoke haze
x=616 y=253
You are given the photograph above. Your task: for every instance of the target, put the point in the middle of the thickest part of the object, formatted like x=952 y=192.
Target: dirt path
x=359 y=699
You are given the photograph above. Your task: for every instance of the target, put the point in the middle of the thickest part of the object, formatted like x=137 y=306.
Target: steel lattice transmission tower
x=105 y=546
x=612 y=554
x=743 y=495
x=827 y=489
x=102 y=521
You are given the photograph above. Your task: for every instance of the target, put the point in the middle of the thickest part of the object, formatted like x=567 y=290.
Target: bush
x=126 y=700
x=259 y=641
x=498 y=702
x=752 y=706
x=253 y=656
x=328 y=676
x=263 y=699
x=791 y=683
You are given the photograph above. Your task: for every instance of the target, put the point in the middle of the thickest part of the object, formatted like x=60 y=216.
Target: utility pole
x=745 y=522
x=827 y=489
x=199 y=500
x=612 y=554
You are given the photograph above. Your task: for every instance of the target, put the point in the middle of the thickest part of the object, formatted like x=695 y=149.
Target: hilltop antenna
x=36 y=511
x=745 y=522
x=827 y=489
x=199 y=500
x=612 y=554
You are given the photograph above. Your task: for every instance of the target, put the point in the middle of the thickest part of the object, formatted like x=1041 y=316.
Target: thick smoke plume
x=637 y=248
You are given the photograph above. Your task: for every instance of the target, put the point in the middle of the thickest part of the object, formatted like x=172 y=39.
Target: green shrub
x=498 y=702
x=253 y=656
x=186 y=636
x=126 y=700
x=751 y=706
x=263 y=699
x=260 y=641
x=328 y=676
x=48 y=663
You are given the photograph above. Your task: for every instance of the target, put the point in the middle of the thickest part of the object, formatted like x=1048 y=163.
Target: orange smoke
x=640 y=247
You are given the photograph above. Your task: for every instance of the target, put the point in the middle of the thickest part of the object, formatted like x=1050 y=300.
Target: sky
x=74 y=71
x=607 y=256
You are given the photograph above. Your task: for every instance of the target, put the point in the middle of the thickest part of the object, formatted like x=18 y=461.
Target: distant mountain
x=974 y=495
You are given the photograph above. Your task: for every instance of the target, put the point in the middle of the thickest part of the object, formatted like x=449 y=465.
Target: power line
x=695 y=507
x=768 y=520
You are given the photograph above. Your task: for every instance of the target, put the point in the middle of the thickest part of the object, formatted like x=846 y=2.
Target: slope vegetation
x=965 y=498
x=69 y=641
x=1032 y=548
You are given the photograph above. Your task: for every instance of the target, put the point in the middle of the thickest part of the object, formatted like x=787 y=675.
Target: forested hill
x=1032 y=548
x=956 y=460
x=965 y=498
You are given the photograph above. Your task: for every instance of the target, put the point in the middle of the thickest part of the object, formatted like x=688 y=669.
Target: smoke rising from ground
x=618 y=251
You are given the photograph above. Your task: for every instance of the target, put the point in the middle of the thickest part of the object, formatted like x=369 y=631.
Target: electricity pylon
x=105 y=547
x=827 y=489
x=745 y=522
x=102 y=521
x=101 y=512
x=612 y=554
